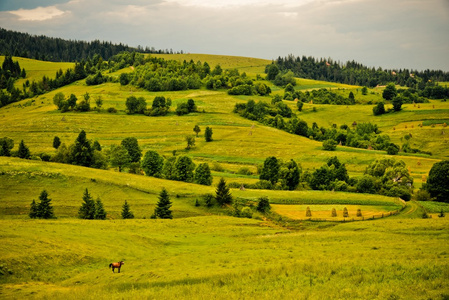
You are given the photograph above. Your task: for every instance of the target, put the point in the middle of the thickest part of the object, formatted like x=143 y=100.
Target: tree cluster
x=91 y=209
x=321 y=96
x=180 y=168
x=42 y=210
x=363 y=135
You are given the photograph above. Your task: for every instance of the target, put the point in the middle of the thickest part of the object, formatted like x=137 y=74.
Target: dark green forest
x=41 y=47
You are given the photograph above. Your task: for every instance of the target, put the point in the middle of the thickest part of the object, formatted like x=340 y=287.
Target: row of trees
x=94 y=210
x=363 y=135
x=350 y=72
x=57 y=49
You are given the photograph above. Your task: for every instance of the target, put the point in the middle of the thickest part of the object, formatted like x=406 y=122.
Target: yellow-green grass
x=224 y=258
x=23 y=180
x=237 y=141
x=252 y=66
x=36 y=69
x=324 y=212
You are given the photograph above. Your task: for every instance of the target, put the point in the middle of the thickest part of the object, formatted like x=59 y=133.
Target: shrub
x=329 y=145
x=264 y=205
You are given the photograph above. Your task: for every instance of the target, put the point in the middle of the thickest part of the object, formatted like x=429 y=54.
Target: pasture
x=205 y=252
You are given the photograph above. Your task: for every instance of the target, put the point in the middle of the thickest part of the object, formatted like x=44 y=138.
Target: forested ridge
x=352 y=72
x=41 y=47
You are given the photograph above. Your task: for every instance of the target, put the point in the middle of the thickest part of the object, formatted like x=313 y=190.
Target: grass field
x=205 y=253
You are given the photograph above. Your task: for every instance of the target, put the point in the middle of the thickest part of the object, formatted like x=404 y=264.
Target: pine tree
x=100 y=213
x=222 y=194
x=23 y=151
x=82 y=152
x=162 y=209
x=126 y=212
x=44 y=209
x=87 y=209
x=33 y=210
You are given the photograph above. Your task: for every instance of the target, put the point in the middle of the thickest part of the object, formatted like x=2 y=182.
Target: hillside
x=222 y=252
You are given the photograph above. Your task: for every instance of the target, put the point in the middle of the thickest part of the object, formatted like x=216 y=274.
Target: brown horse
x=117 y=265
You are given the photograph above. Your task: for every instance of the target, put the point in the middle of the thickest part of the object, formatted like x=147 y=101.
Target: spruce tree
x=100 y=213
x=222 y=194
x=162 y=209
x=23 y=152
x=45 y=209
x=33 y=210
x=82 y=152
x=87 y=209
x=126 y=212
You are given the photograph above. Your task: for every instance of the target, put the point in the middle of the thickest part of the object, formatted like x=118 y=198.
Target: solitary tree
x=190 y=141
x=126 y=212
x=379 y=109
x=100 y=213
x=56 y=142
x=208 y=134
x=203 y=175
x=152 y=164
x=24 y=151
x=87 y=209
x=397 y=103
x=222 y=193
x=6 y=144
x=45 y=209
x=197 y=130
x=162 y=209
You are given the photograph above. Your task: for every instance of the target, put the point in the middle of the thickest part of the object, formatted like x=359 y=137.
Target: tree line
x=41 y=47
x=362 y=135
x=350 y=72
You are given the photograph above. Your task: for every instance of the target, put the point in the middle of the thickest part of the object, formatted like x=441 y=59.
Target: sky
x=392 y=34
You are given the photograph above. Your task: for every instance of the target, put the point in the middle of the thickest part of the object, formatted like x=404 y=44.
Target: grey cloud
x=393 y=34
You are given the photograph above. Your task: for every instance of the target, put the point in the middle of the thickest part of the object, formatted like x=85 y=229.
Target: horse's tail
x=110 y=265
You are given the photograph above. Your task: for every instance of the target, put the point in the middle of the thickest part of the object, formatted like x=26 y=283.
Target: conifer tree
x=208 y=134
x=24 y=151
x=45 y=209
x=100 y=213
x=87 y=209
x=33 y=210
x=222 y=194
x=162 y=209
x=126 y=212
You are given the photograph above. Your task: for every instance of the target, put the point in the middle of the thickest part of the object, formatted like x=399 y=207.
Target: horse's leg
x=119 y=269
x=113 y=269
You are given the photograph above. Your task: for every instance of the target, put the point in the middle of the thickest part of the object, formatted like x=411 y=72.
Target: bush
x=423 y=195
x=330 y=145
x=112 y=110
x=264 y=205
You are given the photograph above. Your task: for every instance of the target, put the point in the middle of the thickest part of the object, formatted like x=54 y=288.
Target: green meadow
x=206 y=252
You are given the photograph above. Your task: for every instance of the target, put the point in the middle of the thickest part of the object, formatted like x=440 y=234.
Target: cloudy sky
x=388 y=33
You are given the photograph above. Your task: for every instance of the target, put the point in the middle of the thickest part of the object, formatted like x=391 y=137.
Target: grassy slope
x=224 y=258
x=203 y=255
x=35 y=69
